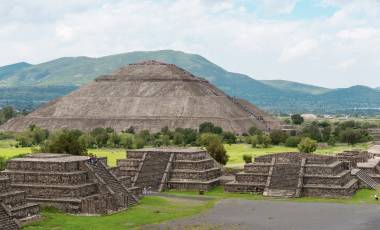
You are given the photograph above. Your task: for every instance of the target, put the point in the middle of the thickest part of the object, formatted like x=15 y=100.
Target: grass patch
x=362 y=196
x=111 y=154
x=151 y=210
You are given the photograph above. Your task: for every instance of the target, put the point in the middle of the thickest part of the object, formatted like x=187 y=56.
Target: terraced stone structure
x=70 y=183
x=14 y=208
x=146 y=96
x=296 y=175
x=171 y=168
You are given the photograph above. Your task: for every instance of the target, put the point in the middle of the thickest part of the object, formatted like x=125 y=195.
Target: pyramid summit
x=147 y=96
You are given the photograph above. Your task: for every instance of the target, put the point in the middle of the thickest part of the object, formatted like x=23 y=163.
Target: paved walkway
x=278 y=215
x=374 y=149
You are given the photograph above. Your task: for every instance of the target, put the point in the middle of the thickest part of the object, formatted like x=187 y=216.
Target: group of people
x=147 y=191
x=93 y=159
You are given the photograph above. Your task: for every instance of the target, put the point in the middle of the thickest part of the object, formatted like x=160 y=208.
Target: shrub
x=216 y=149
x=307 y=145
x=297 y=119
x=292 y=141
x=247 y=158
x=229 y=138
x=139 y=142
x=178 y=138
x=278 y=136
x=65 y=141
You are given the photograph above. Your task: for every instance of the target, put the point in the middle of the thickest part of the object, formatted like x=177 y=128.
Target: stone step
x=43 y=177
x=6 y=221
x=12 y=198
x=364 y=177
x=25 y=210
x=280 y=192
x=48 y=190
x=192 y=184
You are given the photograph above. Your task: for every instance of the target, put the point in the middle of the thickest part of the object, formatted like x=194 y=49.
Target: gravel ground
x=278 y=215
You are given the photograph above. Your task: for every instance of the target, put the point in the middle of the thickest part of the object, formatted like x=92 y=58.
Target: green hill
x=296 y=87
x=24 y=85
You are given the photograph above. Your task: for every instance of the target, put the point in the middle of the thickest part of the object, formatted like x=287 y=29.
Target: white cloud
x=356 y=34
x=345 y=64
x=227 y=32
x=298 y=50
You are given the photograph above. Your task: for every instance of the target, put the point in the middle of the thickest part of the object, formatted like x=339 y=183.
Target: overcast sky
x=332 y=43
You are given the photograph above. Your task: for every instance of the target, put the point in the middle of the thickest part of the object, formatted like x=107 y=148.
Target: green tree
x=216 y=149
x=297 y=119
x=292 y=141
x=178 y=138
x=278 y=136
x=65 y=141
x=229 y=138
x=307 y=145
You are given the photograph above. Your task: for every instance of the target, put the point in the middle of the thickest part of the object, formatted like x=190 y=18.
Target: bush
x=307 y=145
x=247 y=158
x=278 y=136
x=206 y=138
x=178 y=138
x=216 y=149
x=208 y=127
x=229 y=138
x=127 y=140
x=297 y=119
x=65 y=141
x=139 y=142
x=292 y=141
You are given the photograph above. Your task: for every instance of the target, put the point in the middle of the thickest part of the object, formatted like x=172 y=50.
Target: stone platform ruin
x=69 y=183
x=172 y=168
x=14 y=208
x=296 y=175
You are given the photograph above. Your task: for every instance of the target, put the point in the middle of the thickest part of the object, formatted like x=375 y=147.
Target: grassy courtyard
x=235 y=151
x=149 y=211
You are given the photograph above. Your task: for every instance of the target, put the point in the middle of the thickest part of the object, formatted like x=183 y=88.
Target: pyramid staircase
x=365 y=178
x=6 y=221
x=159 y=169
x=285 y=179
x=115 y=187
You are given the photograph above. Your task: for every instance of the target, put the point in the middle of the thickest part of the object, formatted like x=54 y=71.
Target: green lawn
x=150 y=210
x=235 y=151
x=111 y=154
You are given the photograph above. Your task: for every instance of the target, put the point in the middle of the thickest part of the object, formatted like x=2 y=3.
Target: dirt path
x=374 y=149
x=276 y=215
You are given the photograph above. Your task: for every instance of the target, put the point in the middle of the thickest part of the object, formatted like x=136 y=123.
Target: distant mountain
x=21 y=83
x=9 y=70
x=296 y=87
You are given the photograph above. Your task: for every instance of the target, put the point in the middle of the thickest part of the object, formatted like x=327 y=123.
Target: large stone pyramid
x=147 y=95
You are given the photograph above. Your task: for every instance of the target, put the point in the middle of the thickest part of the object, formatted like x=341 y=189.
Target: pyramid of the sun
x=148 y=95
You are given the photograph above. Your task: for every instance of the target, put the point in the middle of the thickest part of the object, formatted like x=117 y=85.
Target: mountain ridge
x=277 y=96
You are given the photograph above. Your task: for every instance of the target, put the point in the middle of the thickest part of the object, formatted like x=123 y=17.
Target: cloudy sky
x=332 y=43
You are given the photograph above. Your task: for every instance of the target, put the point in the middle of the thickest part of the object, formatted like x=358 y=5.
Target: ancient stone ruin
x=14 y=208
x=147 y=96
x=172 y=168
x=296 y=175
x=70 y=183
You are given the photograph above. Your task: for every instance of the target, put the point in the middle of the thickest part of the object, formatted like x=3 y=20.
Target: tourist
x=144 y=191
x=376 y=197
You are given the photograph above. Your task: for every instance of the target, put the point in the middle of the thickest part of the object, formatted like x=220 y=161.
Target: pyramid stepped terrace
x=70 y=183
x=296 y=175
x=14 y=208
x=171 y=168
x=146 y=96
